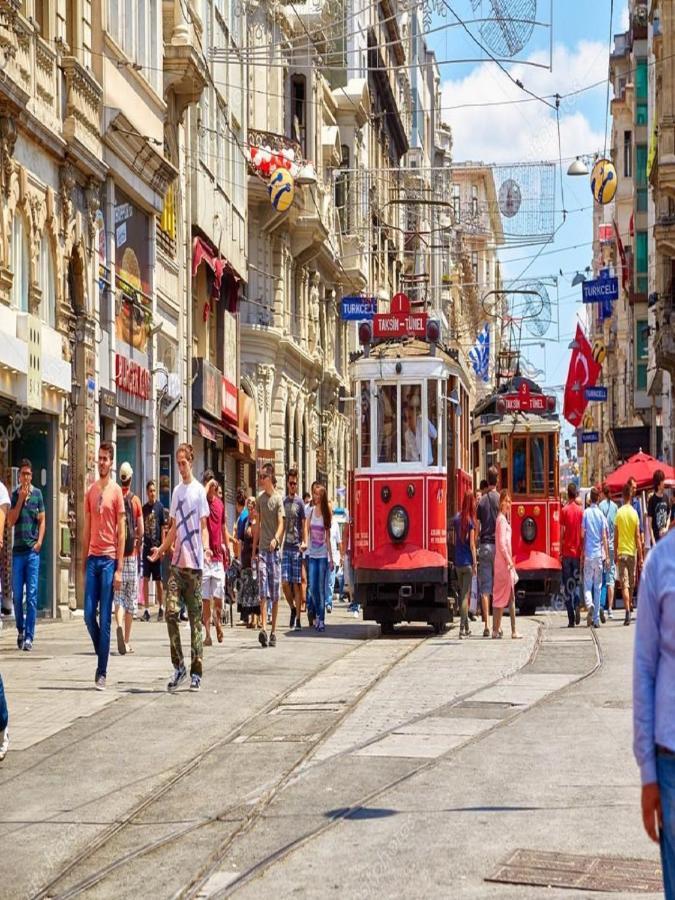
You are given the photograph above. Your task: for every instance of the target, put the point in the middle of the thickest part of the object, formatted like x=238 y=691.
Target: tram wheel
x=439 y=627
x=386 y=628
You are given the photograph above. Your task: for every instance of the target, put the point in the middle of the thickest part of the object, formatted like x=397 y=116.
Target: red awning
x=207 y=431
x=641 y=466
x=241 y=435
x=202 y=252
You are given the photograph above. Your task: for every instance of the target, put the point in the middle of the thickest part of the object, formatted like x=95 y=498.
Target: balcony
x=82 y=119
x=664 y=335
x=664 y=180
x=276 y=143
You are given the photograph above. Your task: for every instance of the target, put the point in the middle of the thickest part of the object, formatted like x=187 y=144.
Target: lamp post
x=71 y=405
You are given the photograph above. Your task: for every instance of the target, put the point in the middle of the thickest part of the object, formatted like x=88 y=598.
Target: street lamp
x=578 y=167
x=70 y=408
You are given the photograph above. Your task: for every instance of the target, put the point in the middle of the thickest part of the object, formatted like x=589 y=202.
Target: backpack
x=130 y=525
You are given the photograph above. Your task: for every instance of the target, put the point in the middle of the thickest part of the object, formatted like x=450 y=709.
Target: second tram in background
x=517 y=430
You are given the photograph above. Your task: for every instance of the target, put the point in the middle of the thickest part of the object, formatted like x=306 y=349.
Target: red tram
x=517 y=429
x=412 y=456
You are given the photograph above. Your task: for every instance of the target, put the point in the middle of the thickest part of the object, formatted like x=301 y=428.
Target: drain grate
x=586 y=873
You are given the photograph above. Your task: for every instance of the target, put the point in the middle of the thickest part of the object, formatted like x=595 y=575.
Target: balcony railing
x=276 y=142
x=84 y=97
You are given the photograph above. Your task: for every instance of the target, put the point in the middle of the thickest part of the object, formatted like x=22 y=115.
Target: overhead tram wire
x=611 y=17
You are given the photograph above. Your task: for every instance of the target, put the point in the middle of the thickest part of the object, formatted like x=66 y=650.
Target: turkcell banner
x=358 y=308
x=595 y=394
x=600 y=289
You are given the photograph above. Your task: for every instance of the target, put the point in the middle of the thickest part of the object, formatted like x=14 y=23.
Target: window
x=136 y=26
x=641 y=252
x=456 y=202
x=628 y=154
x=342 y=191
x=42 y=17
x=365 y=424
x=47 y=284
x=641 y=353
x=641 y=80
x=537 y=465
x=641 y=153
x=474 y=200
x=413 y=447
x=641 y=113
x=519 y=465
x=387 y=423
x=474 y=266
x=433 y=425
x=20 y=263
x=299 y=110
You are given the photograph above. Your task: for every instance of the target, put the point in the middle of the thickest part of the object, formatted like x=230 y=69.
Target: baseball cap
x=126 y=472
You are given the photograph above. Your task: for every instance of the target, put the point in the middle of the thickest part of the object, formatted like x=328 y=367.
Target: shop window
x=387 y=423
x=20 y=263
x=365 y=424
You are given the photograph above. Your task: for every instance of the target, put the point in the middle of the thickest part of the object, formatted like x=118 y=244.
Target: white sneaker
x=4 y=743
x=609 y=614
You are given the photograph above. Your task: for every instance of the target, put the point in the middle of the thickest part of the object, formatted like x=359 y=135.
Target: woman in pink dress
x=503 y=590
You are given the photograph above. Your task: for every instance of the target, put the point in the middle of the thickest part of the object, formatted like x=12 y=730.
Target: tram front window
x=416 y=446
x=537 y=465
x=365 y=423
x=387 y=424
x=520 y=465
x=432 y=416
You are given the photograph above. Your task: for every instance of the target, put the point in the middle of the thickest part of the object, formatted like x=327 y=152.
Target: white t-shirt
x=4 y=495
x=188 y=507
x=414 y=444
x=335 y=541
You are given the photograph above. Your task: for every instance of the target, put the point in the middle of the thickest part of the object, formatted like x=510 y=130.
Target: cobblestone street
x=409 y=766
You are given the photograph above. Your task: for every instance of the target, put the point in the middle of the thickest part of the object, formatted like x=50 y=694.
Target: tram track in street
x=51 y=890
x=192 y=891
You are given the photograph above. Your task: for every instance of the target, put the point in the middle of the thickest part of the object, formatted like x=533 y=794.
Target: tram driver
x=413 y=438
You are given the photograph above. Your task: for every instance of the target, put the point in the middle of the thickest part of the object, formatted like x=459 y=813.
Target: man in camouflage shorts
x=189 y=536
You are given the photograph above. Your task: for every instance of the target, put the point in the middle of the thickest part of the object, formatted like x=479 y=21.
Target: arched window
x=47 y=283
x=20 y=263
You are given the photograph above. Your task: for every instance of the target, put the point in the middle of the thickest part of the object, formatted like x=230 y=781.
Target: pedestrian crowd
x=279 y=543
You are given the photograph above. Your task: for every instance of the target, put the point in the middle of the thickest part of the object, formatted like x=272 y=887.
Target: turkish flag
x=583 y=372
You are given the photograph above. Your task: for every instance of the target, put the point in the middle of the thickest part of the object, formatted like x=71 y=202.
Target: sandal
x=516 y=637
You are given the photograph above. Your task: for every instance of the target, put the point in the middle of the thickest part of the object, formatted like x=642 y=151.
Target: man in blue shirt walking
x=594 y=554
x=653 y=708
x=27 y=517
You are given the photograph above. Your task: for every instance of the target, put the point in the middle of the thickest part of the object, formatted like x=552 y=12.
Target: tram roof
x=413 y=350
x=488 y=406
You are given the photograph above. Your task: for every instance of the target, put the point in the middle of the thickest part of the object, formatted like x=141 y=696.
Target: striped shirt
x=27 y=525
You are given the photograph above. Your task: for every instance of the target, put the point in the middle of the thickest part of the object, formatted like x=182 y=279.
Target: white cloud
x=625 y=18
x=526 y=131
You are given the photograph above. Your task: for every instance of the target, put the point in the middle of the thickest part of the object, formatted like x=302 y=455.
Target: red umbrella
x=641 y=466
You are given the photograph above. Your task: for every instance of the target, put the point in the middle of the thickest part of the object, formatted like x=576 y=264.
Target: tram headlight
x=398 y=523
x=528 y=529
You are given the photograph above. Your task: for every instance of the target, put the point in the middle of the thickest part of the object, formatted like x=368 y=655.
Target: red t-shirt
x=570 y=520
x=105 y=508
x=215 y=523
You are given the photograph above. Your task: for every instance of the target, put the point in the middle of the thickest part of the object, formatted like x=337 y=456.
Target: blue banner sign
x=596 y=394
x=358 y=308
x=590 y=437
x=600 y=289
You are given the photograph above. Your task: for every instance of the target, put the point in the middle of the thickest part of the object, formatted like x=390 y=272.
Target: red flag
x=583 y=372
x=624 y=261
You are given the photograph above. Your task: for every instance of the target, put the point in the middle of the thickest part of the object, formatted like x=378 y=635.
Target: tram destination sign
x=596 y=394
x=400 y=321
x=600 y=289
x=358 y=309
x=525 y=400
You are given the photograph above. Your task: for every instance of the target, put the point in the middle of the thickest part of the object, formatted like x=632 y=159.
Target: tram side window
x=537 y=465
x=412 y=444
x=387 y=424
x=433 y=423
x=520 y=465
x=365 y=424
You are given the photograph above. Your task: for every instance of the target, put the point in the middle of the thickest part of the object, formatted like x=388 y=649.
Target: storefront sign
x=230 y=408
x=107 y=404
x=132 y=267
x=600 y=289
x=526 y=401
x=207 y=390
x=358 y=308
x=400 y=322
x=132 y=378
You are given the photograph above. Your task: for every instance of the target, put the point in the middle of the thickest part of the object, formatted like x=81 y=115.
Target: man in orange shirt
x=104 y=557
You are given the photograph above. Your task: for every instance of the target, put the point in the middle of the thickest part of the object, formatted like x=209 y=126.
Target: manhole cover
x=588 y=873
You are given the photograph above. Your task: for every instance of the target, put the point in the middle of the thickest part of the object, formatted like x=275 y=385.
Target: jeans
x=317 y=585
x=4 y=715
x=331 y=575
x=665 y=775
x=25 y=571
x=98 y=598
x=593 y=586
x=570 y=577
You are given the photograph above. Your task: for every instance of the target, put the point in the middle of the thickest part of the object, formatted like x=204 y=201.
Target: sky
x=527 y=132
